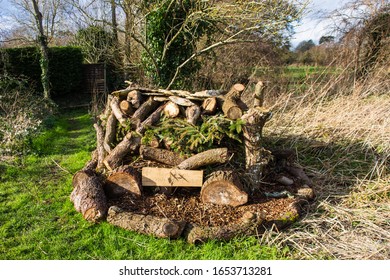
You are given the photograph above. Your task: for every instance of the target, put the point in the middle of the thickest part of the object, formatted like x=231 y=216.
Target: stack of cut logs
x=111 y=172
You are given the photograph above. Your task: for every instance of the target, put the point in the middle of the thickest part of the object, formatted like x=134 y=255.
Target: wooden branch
x=192 y=114
x=123 y=180
x=100 y=144
x=248 y=225
x=223 y=188
x=161 y=155
x=213 y=156
x=130 y=143
x=181 y=101
x=110 y=133
x=153 y=118
x=117 y=111
x=209 y=93
x=88 y=196
x=143 y=112
x=145 y=224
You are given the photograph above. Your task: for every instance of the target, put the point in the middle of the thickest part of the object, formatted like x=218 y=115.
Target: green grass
x=38 y=221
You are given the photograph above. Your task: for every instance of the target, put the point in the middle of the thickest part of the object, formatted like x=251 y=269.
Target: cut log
x=145 y=224
x=123 y=180
x=88 y=195
x=230 y=107
x=212 y=156
x=256 y=157
x=117 y=111
x=171 y=110
x=130 y=143
x=110 y=133
x=135 y=98
x=248 y=225
x=126 y=107
x=107 y=110
x=101 y=152
x=166 y=177
x=223 y=188
x=192 y=114
x=152 y=119
x=209 y=106
x=161 y=155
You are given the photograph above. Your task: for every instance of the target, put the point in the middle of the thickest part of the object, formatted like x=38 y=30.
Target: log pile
x=131 y=159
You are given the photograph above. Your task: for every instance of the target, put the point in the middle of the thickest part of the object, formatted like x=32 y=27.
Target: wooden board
x=167 y=177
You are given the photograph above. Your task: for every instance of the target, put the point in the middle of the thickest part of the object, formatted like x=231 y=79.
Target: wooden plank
x=167 y=177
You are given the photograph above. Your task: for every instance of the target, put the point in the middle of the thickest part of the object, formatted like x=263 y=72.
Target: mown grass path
x=38 y=221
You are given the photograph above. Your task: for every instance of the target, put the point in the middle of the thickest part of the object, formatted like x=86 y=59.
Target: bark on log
x=208 y=93
x=135 y=98
x=259 y=94
x=126 y=107
x=130 y=143
x=145 y=224
x=256 y=157
x=101 y=152
x=171 y=110
x=209 y=106
x=143 y=112
x=223 y=188
x=230 y=107
x=213 y=156
x=110 y=134
x=192 y=114
x=248 y=225
x=107 y=111
x=123 y=180
x=88 y=195
x=117 y=111
x=153 y=118
x=161 y=155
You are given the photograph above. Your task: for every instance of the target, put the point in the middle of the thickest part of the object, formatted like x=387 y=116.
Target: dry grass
x=346 y=129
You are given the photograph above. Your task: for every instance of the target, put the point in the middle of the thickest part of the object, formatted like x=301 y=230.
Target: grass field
x=38 y=221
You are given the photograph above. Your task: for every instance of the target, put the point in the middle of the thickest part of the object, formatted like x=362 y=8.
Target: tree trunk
x=248 y=225
x=160 y=155
x=123 y=180
x=256 y=157
x=213 y=156
x=135 y=98
x=88 y=195
x=223 y=188
x=43 y=46
x=145 y=224
x=130 y=143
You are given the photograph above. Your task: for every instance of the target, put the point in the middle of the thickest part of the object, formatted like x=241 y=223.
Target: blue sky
x=309 y=28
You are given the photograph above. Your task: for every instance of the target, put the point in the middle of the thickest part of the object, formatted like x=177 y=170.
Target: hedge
x=65 y=67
